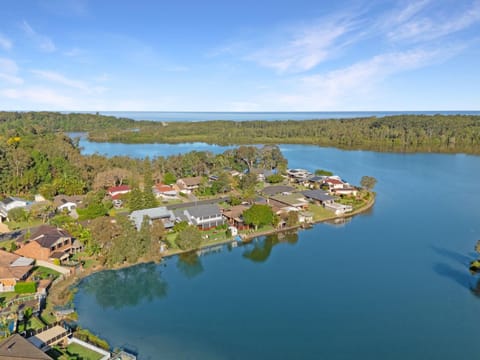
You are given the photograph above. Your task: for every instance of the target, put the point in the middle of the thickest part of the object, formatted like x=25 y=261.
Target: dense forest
x=401 y=133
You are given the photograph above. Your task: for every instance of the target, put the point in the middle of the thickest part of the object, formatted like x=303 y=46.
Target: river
x=390 y=284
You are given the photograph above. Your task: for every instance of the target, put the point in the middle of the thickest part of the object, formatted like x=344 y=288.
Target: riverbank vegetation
x=400 y=133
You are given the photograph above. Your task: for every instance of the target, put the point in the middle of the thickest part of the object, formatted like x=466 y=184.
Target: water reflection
x=126 y=287
x=259 y=249
x=189 y=264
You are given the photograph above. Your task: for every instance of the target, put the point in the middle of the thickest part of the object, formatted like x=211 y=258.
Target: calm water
x=246 y=116
x=390 y=284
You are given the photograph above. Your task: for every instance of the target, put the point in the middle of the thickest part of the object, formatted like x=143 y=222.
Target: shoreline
x=70 y=287
x=246 y=238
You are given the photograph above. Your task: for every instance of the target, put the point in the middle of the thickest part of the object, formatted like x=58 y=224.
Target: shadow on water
x=462 y=278
x=126 y=287
x=260 y=250
x=452 y=255
x=189 y=264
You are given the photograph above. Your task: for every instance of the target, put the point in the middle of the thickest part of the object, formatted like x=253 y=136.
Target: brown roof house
x=187 y=185
x=13 y=268
x=16 y=347
x=48 y=243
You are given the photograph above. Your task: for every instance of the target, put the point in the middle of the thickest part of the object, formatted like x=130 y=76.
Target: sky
x=262 y=55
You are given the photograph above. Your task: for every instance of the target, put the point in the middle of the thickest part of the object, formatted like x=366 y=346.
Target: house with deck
x=48 y=243
x=160 y=213
x=204 y=216
x=318 y=197
x=233 y=216
x=165 y=191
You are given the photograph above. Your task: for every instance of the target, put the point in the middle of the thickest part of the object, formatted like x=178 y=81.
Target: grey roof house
x=203 y=216
x=158 y=213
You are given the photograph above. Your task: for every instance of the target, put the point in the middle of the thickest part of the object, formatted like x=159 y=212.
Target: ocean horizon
x=172 y=116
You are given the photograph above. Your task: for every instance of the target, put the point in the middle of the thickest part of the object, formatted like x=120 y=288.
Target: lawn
x=44 y=273
x=320 y=213
x=33 y=323
x=74 y=351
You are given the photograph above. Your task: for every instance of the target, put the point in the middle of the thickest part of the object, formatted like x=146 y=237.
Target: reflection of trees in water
x=126 y=287
x=260 y=250
x=189 y=264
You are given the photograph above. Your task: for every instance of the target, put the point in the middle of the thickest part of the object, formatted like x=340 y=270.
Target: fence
x=106 y=354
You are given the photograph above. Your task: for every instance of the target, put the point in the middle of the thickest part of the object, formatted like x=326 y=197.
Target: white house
x=10 y=203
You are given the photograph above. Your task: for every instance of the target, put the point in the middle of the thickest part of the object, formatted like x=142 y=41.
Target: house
x=295 y=200
x=116 y=191
x=205 y=216
x=334 y=183
x=159 y=213
x=234 y=216
x=339 y=208
x=277 y=189
x=315 y=181
x=10 y=203
x=47 y=243
x=187 y=185
x=347 y=190
x=262 y=174
x=165 y=191
x=67 y=203
x=17 y=347
x=13 y=268
x=298 y=174
x=318 y=197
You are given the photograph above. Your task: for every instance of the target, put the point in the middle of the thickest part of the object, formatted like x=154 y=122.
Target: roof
x=204 y=210
x=63 y=199
x=164 y=188
x=316 y=178
x=7 y=258
x=160 y=212
x=16 y=272
x=192 y=181
x=17 y=348
x=11 y=199
x=318 y=195
x=119 y=188
x=291 y=199
x=47 y=235
x=277 y=189
x=235 y=212
x=333 y=181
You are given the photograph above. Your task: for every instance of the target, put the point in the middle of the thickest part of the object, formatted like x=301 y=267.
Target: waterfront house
x=295 y=200
x=187 y=185
x=318 y=197
x=47 y=243
x=13 y=268
x=205 y=216
x=17 y=347
x=334 y=183
x=347 y=190
x=10 y=203
x=160 y=213
x=234 y=217
x=314 y=182
x=262 y=174
x=339 y=209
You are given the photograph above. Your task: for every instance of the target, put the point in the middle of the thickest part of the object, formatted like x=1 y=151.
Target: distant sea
x=269 y=116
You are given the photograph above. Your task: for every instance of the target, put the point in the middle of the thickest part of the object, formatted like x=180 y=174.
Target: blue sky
x=239 y=56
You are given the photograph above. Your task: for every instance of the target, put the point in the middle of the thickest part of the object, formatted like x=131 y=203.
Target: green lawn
x=45 y=273
x=319 y=212
x=73 y=351
x=33 y=323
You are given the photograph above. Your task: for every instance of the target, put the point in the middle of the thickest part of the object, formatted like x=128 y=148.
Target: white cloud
x=8 y=71
x=47 y=98
x=43 y=42
x=431 y=26
x=306 y=47
x=5 y=42
x=60 y=79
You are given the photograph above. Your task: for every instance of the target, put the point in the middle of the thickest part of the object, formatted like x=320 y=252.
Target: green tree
x=274 y=179
x=292 y=218
x=189 y=238
x=368 y=182
x=322 y=172
x=258 y=215
x=17 y=214
x=169 y=178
